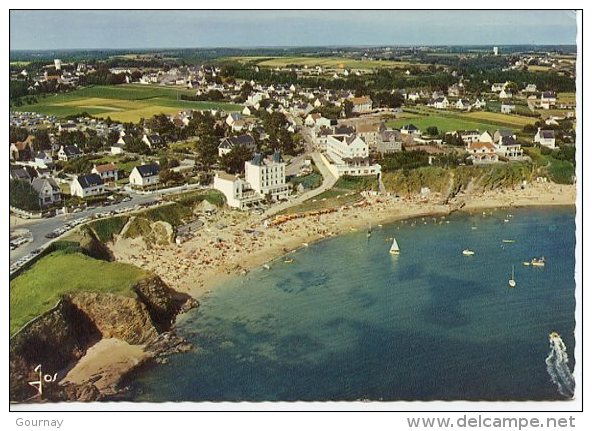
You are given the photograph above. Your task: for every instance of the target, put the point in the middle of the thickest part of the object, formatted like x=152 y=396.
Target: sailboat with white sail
x=394 y=247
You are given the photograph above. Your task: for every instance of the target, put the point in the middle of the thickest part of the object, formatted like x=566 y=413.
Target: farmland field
x=126 y=103
x=327 y=62
x=448 y=121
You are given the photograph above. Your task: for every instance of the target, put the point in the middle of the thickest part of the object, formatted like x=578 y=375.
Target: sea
x=342 y=319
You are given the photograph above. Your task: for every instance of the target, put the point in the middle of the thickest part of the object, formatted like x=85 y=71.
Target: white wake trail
x=558 y=368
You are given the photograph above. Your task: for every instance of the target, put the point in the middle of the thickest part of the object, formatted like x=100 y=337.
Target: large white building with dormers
x=348 y=155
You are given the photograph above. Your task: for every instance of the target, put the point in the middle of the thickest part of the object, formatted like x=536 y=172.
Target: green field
x=327 y=62
x=448 y=121
x=62 y=272
x=346 y=191
x=125 y=103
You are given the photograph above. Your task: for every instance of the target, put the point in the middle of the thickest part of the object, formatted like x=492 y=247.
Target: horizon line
x=291 y=47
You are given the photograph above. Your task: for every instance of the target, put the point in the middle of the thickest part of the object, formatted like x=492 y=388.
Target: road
x=329 y=181
x=41 y=227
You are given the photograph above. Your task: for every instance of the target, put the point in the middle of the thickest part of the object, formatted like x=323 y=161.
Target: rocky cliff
x=60 y=337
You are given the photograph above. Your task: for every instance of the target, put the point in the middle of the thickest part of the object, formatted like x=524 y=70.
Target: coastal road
x=329 y=181
x=41 y=227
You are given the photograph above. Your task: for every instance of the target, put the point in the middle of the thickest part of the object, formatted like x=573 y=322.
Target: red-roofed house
x=108 y=172
x=482 y=153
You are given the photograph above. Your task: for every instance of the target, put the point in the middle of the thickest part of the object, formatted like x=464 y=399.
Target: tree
x=233 y=162
x=136 y=145
x=23 y=195
x=161 y=124
x=207 y=150
x=41 y=141
x=167 y=177
x=75 y=137
x=432 y=131
x=348 y=108
x=18 y=134
x=79 y=165
x=112 y=137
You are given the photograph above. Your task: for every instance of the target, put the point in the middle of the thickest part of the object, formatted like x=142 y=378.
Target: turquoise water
x=348 y=321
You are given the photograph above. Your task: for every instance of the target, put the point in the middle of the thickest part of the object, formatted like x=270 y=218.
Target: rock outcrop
x=60 y=337
x=92 y=246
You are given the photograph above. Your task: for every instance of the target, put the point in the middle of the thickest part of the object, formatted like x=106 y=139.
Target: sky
x=195 y=29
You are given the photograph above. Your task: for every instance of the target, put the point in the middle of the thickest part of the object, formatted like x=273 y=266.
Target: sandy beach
x=231 y=242
x=105 y=363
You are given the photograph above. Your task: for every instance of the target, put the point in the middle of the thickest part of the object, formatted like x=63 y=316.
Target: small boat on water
x=474 y=227
x=535 y=262
x=511 y=281
x=468 y=252
x=508 y=240
x=266 y=266
x=506 y=220
x=289 y=260
x=394 y=247
x=369 y=232
x=305 y=244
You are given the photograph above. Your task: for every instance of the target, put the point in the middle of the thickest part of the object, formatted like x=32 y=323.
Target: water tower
x=495 y=50
x=58 y=64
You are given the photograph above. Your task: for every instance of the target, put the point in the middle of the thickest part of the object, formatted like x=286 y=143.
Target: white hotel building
x=263 y=177
x=348 y=155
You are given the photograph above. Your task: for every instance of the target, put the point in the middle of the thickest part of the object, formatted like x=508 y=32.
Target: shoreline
x=232 y=243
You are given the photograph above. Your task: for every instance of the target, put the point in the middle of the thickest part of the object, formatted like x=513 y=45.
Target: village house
x=439 y=103
x=69 y=152
x=349 y=155
x=530 y=88
x=479 y=104
x=507 y=108
x=414 y=97
x=508 y=147
x=369 y=132
x=117 y=148
x=469 y=136
x=496 y=87
x=388 y=141
x=486 y=137
x=153 y=140
x=70 y=126
x=321 y=135
x=410 y=129
x=227 y=144
x=546 y=138
x=87 y=185
x=463 y=105
x=505 y=94
x=482 y=153
x=108 y=172
x=20 y=173
x=456 y=90
x=548 y=99
x=43 y=159
x=22 y=151
x=144 y=175
x=500 y=133
x=47 y=190
x=317 y=120
x=361 y=105
x=232 y=117
x=238 y=192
